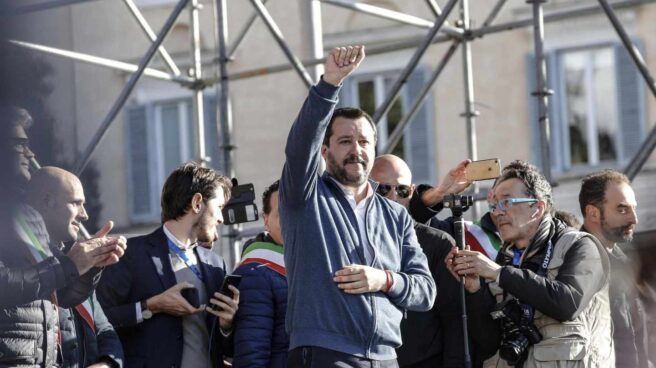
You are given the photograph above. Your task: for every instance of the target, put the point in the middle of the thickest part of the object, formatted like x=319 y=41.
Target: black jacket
x=82 y=346
x=628 y=313
x=434 y=338
x=28 y=318
x=579 y=278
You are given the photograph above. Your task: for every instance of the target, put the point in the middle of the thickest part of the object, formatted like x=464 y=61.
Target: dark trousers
x=316 y=357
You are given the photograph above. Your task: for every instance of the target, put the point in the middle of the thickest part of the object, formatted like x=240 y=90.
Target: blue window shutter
x=418 y=135
x=347 y=95
x=630 y=102
x=141 y=206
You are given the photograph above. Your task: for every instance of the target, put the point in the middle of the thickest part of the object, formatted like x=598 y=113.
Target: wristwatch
x=145 y=312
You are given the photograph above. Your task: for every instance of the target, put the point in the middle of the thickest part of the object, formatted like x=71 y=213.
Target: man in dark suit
x=143 y=295
x=432 y=338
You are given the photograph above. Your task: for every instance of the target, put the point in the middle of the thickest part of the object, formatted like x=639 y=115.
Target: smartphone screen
x=233 y=280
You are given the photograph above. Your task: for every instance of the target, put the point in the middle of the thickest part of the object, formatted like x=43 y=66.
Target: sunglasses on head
x=402 y=191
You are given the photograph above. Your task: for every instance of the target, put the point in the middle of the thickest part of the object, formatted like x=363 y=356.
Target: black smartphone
x=233 y=280
x=191 y=296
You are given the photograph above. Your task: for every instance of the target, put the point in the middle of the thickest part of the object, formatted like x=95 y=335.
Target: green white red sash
x=266 y=254
x=36 y=252
x=482 y=240
x=39 y=253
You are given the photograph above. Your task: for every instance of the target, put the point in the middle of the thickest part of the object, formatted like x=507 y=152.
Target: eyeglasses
x=21 y=145
x=506 y=204
x=402 y=191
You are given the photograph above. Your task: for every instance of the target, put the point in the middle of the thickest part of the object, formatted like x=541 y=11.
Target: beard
x=618 y=234
x=342 y=175
x=206 y=229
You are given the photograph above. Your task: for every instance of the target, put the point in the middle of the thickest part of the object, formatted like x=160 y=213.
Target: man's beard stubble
x=343 y=176
x=616 y=234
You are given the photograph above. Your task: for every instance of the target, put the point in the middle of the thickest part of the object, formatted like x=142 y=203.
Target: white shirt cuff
x=139 y=316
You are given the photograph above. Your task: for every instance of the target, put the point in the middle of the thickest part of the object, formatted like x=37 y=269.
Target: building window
x=161 y=136
x=370 y=90
x=597 y=110
x=588 y=78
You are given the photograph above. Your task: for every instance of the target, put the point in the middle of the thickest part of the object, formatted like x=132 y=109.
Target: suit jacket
x=82 y=346
x=144 y=271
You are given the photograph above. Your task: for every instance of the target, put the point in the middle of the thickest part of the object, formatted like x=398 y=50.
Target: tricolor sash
x=482 y=240
x=266 y=254
x=30 y=230
x=85 y=310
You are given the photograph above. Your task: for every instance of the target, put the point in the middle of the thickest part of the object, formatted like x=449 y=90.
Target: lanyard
x=181 y=254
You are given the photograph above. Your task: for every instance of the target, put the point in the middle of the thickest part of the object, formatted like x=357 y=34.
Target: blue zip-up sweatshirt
x=321 y=236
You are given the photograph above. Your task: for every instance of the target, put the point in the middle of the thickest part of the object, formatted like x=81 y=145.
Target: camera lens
x=513 y=347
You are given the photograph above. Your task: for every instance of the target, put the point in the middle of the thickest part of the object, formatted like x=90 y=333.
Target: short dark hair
x=187 y=180
x=536 y=184
x=348 y=113
x=593 y=187
x=266 y=196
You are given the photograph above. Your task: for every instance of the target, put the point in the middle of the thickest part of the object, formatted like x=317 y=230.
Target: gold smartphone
x=483 y=169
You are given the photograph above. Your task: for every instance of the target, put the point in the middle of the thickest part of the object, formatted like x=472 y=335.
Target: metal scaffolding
x=462 y=35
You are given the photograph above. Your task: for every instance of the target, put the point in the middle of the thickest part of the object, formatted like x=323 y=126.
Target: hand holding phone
x=483 y=170
x=233 y=280
x=191 y=296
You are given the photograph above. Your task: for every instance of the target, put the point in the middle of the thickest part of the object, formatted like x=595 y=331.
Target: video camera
x=241 y=207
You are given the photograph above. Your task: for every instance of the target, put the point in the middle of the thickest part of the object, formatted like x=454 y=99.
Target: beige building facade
x=600 y=113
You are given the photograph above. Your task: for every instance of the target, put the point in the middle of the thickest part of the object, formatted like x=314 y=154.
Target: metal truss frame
x=439 y=30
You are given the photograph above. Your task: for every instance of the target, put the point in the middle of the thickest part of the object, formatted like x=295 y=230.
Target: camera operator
x=551 y=282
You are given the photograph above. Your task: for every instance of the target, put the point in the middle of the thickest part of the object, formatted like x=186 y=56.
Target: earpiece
x=537 y=210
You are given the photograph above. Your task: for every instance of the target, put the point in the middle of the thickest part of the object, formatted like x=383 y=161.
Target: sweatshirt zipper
x=373 y=261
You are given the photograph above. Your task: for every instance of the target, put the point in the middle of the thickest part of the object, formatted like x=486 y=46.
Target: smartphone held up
x=483 y=170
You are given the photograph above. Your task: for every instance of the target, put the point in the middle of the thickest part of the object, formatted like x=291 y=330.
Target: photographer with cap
x=544 y=302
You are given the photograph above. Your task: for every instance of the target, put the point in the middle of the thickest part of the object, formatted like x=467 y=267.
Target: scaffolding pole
x=630 y=47
x=104 y=62
x=242 y=34
x=45 y=5
x=127 y=89
x=313 y=13
x=394 y=16
x=555 y=16
x=225 y=114
x=414 y=61
x=494 y=12
x=542 y=94
x=198 y=106
x=470 y=113
x=145 y=27
x=277 y=35
x=397 y=134
x=417 y=41
x=638 y=161
x=434 y=7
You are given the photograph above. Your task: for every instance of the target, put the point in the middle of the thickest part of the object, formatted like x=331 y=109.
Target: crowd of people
x=354 y=268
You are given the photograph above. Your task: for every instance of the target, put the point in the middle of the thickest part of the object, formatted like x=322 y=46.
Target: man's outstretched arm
x=304 y=142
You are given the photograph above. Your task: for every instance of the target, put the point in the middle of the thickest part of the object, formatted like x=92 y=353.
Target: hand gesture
x=99 y=251
x=227 y=307
x=172 y=302
x=341 y=62
x=358 y=279
x=462 y=269
x=454 y=182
